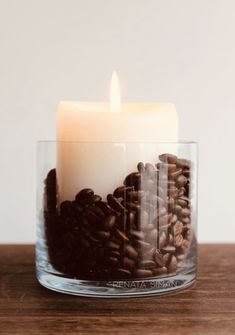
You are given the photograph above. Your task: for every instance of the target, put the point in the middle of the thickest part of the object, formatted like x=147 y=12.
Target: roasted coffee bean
x=186 y=172
x=121 y=235
x=147 y=264
x=158 y=258
x=128 y=263
x=112 y=245
x=185 y=212
x=115 y=204
x=170 y=238
x=175 y=173
x=142 y=273
x=183 y=163
x=150 y=169
x=92 y=217
x=112 y=261
x=122 y=273
x=181 y=192
x=109 y=222
x=162 y=167
x=130 y=251
x=131 y=206
x=177 y=209
x=130 y=220
x=162 y=240
x=142 y=245
x=177 y=228
x=166 y=259
x=136 y=234
x=134 y=195
x=160 y=271
x=173 y=264
x=168 y=158
x=86 y=192
x=182 y=202
x=178 y=240
x=114 y=253
x=105 y=207
x=185 y=220
x=153 y=235
x=174 y=219
x=133 y=179
x=141 y=167
x=101 y=235
x=170 y=203
x=181 y=180
x=66 y=208
x=168 y=249
x=122 y=191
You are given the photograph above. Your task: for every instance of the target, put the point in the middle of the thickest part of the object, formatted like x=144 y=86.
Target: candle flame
x=115 y=101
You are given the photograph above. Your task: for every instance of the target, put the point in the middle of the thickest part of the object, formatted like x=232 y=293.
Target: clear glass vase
x=116 y=219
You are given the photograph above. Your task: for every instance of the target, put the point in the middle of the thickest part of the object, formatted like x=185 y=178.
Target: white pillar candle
x=98 y=146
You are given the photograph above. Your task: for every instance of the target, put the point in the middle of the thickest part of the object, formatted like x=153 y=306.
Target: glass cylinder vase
x=116 y=219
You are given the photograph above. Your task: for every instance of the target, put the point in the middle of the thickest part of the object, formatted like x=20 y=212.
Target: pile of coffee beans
x=142 y=230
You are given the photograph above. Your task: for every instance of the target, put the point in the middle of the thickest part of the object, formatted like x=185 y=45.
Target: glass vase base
x=116 y=288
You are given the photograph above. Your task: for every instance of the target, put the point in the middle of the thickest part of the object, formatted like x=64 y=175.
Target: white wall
x=180 y=51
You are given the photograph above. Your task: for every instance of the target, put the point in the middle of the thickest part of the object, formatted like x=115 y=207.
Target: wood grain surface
x=28 y=308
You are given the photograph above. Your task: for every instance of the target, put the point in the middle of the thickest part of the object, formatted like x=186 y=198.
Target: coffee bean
x=173 y=264
x=164 y=167
x=83 y=194
x=170 y=203
x=130 y=251
x=150 y=169
x=170 y=238
x=175 y=173
x=158 y=258
x=186 y=173
x=136 y=234
x=181 y=180
x=185 y=220
x=66 y=208
x=178 y=240
x=101 y=235
x=115 y=204
x=130 y=220
x=177 y=228
x=141 y=167
x=92 y=217
x=133 y=179
x=168 y=249
x=182 y=203
x=112 y=245
x=121 y=235
x=182 y=191
x=168 y=158
x=112 y=261
x=166 y=259
x=109 y=222
x=122 y=273
x=177 y=209
x=183 y=163
x=128 y=263
x=185 y=212
x=105 y=207
x=162 y=240
x=142 y=273
x=153 y=235
x=160 y=271
x=174 y=219
x=134 y=195
x=131 y=206
x=147 y=264
x=122 y=191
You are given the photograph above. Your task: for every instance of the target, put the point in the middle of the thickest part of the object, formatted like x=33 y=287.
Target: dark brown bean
x=122 y=191
x=168 y=158
x=130 y=251
x=158 y=258
x=173 y=264
x=160 y=271
x=122 y=273
x=112 y=261
x=112 y=245
x=133 y=179
x=134 y=195
x=136 y=234
x=185 y=212
x=141 y=167
x=86 y=192
x=185 y=220
x=181 y=180
x=183 y=163
x=182 y=203
x=177 y=209
x=147 y=264
x=142 y=273
x=168 y=249
x=101 y=235
x=121 y=235
x=115 y=204
x=131 y=206
x=104 y=207
x=109 y=222
x=175 y=173
x=128 y=263
x=162 y=240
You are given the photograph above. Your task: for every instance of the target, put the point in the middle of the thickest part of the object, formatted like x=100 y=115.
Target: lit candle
x=94 y=140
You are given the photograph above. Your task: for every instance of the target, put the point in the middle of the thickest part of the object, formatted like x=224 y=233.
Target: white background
x=180 y=51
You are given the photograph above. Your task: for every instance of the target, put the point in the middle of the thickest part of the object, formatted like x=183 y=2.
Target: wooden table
x=28 y=308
